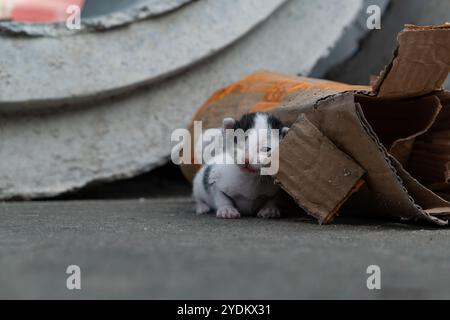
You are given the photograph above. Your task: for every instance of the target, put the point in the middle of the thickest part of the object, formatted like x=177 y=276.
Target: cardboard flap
x=343 y=122
x=420 y=65
x=315 y=172
x=430 y=156
x=430 y=202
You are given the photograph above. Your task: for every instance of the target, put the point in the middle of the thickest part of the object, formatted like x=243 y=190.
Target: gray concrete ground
x=160 y=249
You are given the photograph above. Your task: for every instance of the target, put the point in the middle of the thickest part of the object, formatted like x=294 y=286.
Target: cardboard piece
x=383 y=151
x=332 y=173
x=421 y=63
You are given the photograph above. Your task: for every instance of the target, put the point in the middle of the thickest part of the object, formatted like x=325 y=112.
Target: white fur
x=234 y=191
x=231 y=188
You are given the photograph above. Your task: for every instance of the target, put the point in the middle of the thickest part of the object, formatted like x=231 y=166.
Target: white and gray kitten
x=234 y=189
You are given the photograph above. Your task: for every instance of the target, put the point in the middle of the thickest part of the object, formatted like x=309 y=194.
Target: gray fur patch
x=206 y=178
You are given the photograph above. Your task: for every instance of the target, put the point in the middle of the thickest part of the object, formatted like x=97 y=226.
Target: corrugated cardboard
x=421 y=63
x=333 y=174
x=381 y=151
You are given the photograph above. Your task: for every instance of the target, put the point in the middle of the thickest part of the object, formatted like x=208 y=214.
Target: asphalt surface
x=159 y=249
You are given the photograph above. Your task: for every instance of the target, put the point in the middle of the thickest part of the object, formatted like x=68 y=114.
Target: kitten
x=237 y=188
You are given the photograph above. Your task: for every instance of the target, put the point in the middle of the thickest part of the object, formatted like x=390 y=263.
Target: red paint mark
x=43 y=11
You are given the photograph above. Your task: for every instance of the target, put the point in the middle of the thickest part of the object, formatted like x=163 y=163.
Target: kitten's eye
x=266 y=149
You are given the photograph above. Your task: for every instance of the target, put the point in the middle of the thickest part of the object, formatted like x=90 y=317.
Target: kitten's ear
x=228 y=123
x=284 y=131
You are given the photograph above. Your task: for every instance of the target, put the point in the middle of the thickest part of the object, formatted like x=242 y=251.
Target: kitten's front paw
x=202 y=208
x=269 y=213
x=228 y=213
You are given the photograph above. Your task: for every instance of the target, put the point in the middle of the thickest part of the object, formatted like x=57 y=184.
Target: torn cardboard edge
x=413 y=71
x=335 y=173
x=357 y=139
x=409 y=186
x=332 y=116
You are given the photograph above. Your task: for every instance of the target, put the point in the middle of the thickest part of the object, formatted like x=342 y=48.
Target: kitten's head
x=255 y=140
